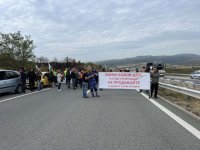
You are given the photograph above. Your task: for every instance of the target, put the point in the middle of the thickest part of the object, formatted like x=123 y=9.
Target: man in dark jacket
x=23 y=78
x=74 y=78
x=68 y=77
x=32 y=77
x=154 y=82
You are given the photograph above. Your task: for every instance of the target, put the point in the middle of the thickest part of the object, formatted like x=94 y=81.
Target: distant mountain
x=179 y=59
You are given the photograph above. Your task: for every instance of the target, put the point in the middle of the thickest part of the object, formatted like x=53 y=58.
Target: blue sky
x=93 y=30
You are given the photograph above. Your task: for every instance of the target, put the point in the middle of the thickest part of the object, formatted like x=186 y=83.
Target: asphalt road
x=118 y=120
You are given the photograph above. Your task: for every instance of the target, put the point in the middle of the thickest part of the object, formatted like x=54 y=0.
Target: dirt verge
x=186 y=102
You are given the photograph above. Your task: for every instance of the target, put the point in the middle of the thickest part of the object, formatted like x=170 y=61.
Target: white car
x=195 y=75
x=162 y=73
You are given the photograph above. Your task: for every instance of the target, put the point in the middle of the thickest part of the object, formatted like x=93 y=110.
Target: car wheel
x=42 y=85
x=18 y=89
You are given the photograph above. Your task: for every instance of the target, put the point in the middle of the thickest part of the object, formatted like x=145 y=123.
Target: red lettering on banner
x=111 y=74
x=124 y=82
x=110 y=82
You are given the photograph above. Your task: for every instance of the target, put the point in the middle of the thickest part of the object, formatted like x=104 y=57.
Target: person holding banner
x=154 y=82
x=93 y=83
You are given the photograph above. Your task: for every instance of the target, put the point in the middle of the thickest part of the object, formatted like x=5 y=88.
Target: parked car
x=10 y=81
x=195 y=75
x=44 y=80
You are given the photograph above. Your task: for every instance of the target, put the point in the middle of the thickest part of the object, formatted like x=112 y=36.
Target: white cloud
x=97 y=30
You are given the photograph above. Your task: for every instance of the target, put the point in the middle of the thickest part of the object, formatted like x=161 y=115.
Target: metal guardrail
x=176 y=74
x=182 y=90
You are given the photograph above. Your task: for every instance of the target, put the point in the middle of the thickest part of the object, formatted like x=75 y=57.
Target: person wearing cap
x=154 y=82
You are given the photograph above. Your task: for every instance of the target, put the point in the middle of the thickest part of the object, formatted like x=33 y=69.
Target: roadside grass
x=182 y=70
x=186 y=102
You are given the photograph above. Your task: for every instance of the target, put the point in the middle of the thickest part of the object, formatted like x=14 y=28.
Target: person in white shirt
x=59 y=79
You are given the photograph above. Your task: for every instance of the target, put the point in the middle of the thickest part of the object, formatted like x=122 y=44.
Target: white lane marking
x=183 y=123
x=23 y=95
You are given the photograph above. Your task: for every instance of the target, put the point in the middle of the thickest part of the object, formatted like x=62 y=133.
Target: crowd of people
x=87 y=79
x=32 y=76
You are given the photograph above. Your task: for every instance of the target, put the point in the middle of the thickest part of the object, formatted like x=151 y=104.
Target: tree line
x=16 y=51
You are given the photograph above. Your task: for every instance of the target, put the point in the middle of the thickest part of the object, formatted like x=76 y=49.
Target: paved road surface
x=118 y=120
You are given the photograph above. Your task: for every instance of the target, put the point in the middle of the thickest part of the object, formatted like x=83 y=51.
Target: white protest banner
x=124 y=80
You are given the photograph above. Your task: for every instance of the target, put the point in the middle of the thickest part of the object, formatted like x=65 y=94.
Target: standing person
x=23 y=79
x=85 y=83
x=59 y=80
x=65 y=74
x=38 y=78
x=55 y=77
x=74 y=78
x=81 y=78
x=51 y=78
x=77 y=75
x=96 y=76
x=92 y=83
x=154 y=82
x=68 y=77
x=31 y=77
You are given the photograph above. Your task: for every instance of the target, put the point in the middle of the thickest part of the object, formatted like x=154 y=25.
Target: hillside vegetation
x=180 y=59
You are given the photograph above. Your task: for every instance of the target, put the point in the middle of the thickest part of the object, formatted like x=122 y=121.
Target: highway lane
x=119 y=119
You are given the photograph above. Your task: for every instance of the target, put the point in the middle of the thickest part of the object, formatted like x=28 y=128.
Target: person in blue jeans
x=85 y=83
x=92 y=83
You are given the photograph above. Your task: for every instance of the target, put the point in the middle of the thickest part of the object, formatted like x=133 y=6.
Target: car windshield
x=2 y=75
